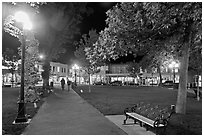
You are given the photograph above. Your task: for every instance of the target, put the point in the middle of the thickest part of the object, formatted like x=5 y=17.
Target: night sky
x=96 y=20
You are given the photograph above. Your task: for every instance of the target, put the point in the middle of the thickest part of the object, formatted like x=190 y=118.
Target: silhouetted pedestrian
x=69 y=85
x=62 y=83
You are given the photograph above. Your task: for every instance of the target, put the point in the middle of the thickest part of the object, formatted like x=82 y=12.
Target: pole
x=3 y=78
x=198 y=92
x=79 y=76
x=21 y=117
x=12 y=79
x=174 y=74
x=89 y=82
x=75 y=77
x=152 y=79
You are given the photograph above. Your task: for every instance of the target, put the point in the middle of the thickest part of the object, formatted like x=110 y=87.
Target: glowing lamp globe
x=75 y=67
x=23 y=18
x=41 y=56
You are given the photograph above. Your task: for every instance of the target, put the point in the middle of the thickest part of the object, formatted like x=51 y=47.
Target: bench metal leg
x=147 y=128
x=140 y=123
x=124 y=122
x=135 y=121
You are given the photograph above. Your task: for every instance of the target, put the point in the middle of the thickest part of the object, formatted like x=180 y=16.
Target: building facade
x=8 y=79
x=106 y=74
x=118 y=72
x=57 y=71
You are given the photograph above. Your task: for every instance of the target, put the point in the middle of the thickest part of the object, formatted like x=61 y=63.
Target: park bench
x=148 y=115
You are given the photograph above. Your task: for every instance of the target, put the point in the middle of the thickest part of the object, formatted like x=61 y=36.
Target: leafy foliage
x=31 y=59
x=134 y=69
x=10 y=28
x=195 y=61
x=81 y=53
x=146 y=25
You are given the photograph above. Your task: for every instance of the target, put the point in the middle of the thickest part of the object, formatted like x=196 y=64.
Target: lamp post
x=173 y=65
x=24 y=19
x=75 y=67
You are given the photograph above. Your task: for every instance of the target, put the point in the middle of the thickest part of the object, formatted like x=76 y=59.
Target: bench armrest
x=160 y=122
x=129 y=109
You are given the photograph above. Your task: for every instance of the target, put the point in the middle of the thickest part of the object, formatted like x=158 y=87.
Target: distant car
x=7 y=85
x=116 y=83
x=99 y=83
x=168 y=84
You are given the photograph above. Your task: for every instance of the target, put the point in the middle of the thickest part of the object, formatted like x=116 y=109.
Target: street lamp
x=41 y=56
x=173 y=65
x=75 y=67
x=27 y=25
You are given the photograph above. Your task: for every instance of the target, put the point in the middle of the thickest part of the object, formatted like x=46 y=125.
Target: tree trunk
x=45 y=82
x=152 y=78
x=46 y=73
x=198 y=91
x=89 y=82
x=182 y=91
x=3 y=79
x=160 y=75
x=12 y=79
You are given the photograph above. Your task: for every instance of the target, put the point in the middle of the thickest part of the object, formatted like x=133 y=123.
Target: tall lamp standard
x=173 y=65
x=26 y=24
x=75 y=68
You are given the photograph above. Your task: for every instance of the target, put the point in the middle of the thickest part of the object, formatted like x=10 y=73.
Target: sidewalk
x=66 y=113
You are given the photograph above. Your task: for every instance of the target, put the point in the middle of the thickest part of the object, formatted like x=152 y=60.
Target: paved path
x=130 y=128
x=66 y=113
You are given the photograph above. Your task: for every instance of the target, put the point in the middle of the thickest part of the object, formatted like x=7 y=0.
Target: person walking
x=69 y=84
x=62 y=83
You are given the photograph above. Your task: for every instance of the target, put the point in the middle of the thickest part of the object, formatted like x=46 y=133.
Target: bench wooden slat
x=143 y=119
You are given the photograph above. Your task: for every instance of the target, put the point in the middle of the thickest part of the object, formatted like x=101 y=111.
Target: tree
x=31 y=59
x=86 y=42
x=60 y=22
x=133 y=27
x=102 y=50
x=157 y=59
x=134 y=69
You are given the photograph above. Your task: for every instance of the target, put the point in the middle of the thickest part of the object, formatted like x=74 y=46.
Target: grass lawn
x=10 y=109
x=112 y=100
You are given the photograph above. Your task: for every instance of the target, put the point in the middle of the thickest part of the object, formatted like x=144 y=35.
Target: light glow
x=41 y=56
x=173 y=65
x=75 y=67
x=23 y=18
